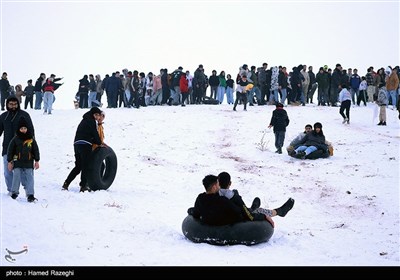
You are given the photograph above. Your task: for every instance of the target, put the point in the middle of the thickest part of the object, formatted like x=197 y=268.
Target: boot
x=85 y=188
x=256 y=204
x=65 y=186
x=285 y=208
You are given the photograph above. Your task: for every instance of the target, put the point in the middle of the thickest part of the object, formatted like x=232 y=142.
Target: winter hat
x=279 y=105
x=22 y=123
x=317 y=125
x=95 y=110
x=388 y=71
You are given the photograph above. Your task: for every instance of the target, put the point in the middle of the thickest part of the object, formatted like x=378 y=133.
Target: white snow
x=346 y=211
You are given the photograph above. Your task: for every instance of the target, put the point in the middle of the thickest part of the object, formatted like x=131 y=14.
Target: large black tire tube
x=245 y=233
x=103 y=168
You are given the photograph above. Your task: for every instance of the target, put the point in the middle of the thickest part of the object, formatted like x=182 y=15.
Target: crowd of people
x=218 y=205
x=251 y=85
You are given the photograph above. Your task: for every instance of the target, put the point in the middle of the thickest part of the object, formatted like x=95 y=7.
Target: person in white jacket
x=345 y=103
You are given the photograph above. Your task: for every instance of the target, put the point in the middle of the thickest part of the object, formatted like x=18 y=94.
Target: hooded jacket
x=9 y=123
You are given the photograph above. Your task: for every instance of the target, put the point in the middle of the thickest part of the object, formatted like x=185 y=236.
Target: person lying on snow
x=213 y=209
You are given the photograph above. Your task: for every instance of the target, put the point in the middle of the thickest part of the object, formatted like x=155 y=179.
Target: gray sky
x=99 y=37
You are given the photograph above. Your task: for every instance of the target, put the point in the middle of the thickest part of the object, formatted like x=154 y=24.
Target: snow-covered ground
x=346 y=211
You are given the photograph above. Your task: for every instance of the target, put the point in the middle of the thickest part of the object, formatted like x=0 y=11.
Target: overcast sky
x=99 y=37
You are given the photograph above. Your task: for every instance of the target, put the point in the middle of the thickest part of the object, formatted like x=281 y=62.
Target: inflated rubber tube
x=103 y=168
x=245 y=233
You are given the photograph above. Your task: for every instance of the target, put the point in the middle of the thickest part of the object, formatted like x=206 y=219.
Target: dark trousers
x=29 y=101
x=82 y=161
x=361 y=97
x=279 y=139
x=165 y=94
x=345 y=105
x=242 y=97
x=4 y=96
x=83 y=100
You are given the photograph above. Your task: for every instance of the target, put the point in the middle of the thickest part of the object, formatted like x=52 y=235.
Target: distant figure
x=345 y=103
x=28 y=93
x=4 y=86
x=382 y=102
x=279 y=121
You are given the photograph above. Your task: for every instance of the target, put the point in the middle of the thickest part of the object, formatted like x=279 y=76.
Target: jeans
x=38 y=100
x=24 y=176
x=308 y=150
x=8 y=175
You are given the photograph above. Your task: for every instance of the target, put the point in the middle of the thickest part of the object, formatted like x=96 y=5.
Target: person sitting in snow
x=224 y=179
x=312 y=142
x=297 y=140
x=22 y=157
x=213 y=209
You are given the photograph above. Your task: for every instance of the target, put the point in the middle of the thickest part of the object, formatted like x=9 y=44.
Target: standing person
x=23 y=156
x=382 y=102
x=28 y=93
x=100 y=130
x=230 y=85
x=48 y=96
x=19 y=92
x=86 y=135
x=4 y=86
x=362 y=92
x=241 y=92
x=83 y=92
x=345 y=103
x=9 y=125
x=38 y=91
x=279 y=121
x=184 y=88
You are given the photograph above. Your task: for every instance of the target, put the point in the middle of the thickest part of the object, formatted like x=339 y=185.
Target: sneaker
x=65 y=186
x=383 y=123
x=14 y=196
x=345 y=120
x=256 y=204
x=31 y=198
x=380 y=123
x=85 y=188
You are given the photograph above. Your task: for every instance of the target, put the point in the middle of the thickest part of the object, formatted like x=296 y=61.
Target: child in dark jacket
x=23 y=156
x=279 y=121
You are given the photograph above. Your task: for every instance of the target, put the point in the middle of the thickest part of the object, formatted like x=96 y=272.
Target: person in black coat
x=9 y=125
x=4 y=89
x=86 y=135
x=279 y=120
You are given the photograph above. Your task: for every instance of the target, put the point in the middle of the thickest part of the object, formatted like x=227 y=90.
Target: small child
x=382 y=102
x=279 y=121
x=345 y=103
x=23 y=156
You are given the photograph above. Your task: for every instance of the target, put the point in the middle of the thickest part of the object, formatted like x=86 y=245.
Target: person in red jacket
x=184 y=87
